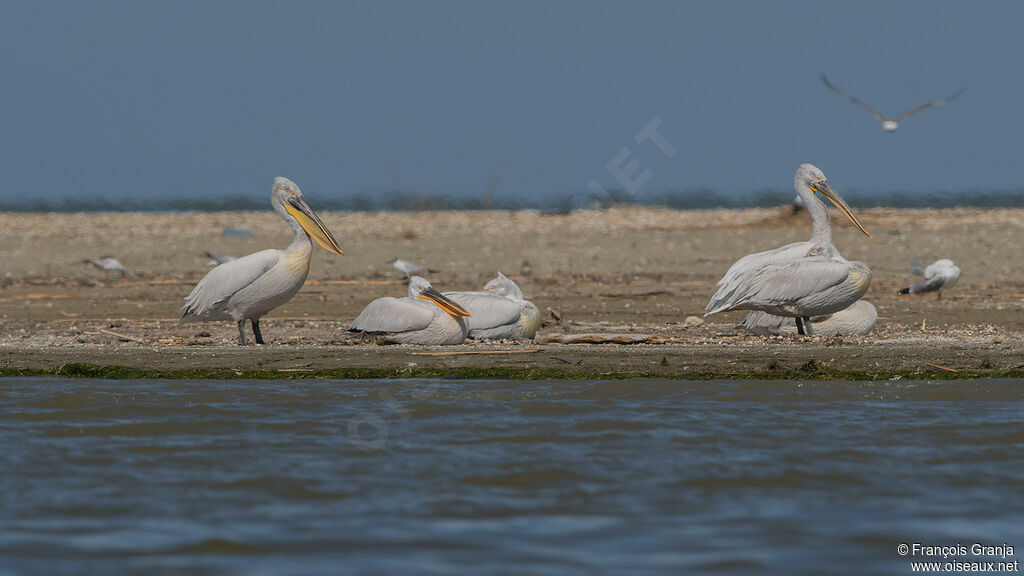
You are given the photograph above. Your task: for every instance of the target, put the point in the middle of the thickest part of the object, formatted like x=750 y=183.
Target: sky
x=146 y=99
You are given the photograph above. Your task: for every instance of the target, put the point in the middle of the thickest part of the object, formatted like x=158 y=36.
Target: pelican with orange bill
x=424 y=316
x=247 y=288
x=808 y=182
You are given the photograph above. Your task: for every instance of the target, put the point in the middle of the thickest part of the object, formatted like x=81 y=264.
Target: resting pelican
x=108 y=264
x=808 y=180
x=425 y=316
x=218 y=259
x=856 y=320
x=890 y=124
x=499 y=312
x=939 y=275
x=250 y=286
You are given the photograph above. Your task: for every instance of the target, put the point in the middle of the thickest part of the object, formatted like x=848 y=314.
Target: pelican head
x=503 y=286
x=420 y=288
x=287 y=200
x=813 y=178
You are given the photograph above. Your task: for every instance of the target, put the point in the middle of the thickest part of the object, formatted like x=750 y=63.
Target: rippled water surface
x=499 y=477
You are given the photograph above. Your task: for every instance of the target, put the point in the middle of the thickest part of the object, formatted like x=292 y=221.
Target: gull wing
x=225 y=280
x=389 y=314
x=857 y=101
x=927 y=105
x=928 y=285
x=487 y=310
x=916 y=267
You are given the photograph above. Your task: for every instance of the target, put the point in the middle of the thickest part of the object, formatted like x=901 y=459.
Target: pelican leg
x=256 y=331
x=241 y=332
x=807 y=326
x=799 y=326
x=939 y=294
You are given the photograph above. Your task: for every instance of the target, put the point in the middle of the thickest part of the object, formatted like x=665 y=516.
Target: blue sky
x=154 y=99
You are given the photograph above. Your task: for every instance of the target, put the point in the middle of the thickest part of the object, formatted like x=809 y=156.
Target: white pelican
x=108 y=264
x=808 y=180
x=218 y=259
x=250 y=286
x=938 y=276
x=425 y=316
x=856 y=320
x=890 y=124
x=499 y=312
x=802 y=288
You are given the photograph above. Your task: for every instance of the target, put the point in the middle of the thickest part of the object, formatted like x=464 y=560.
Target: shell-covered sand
x=635 y=272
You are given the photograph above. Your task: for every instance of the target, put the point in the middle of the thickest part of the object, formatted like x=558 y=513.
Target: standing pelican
x=938 y=275
x=250 y=286
x=499 y=312
x=108 y=264
x=890 y=124
x=808 y=180
x=802 y=288
x=858 y=319
x=425 y=316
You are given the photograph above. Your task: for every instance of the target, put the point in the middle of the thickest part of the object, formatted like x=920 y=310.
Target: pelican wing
x=781 y=283
x=389 y=314
x=225 y=280
x=745 y=268
x=858 y=101
x=927 y=105
x=487 y=310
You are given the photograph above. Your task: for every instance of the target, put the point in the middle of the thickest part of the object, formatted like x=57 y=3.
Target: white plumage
x=248 y=287
x=108 y=264
x=408 y=268
x=938 y=276
x=499 y=312
x=801 y=279
x=424 y=316
x=856 y=320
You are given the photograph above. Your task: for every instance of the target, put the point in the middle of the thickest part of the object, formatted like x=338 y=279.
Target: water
x=500 y=477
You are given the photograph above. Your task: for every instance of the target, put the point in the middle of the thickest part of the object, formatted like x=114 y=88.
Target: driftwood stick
x=946 y=368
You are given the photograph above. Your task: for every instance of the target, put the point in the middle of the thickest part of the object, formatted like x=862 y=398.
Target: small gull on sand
x=938 y=276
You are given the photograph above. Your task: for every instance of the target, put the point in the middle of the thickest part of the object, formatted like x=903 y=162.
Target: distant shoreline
x=432 y=202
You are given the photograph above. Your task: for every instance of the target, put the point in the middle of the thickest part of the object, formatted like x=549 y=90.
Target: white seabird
x=938 y=276
x=425 y=316
x=890 y=124
x=250 y=286
x=499 y=312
